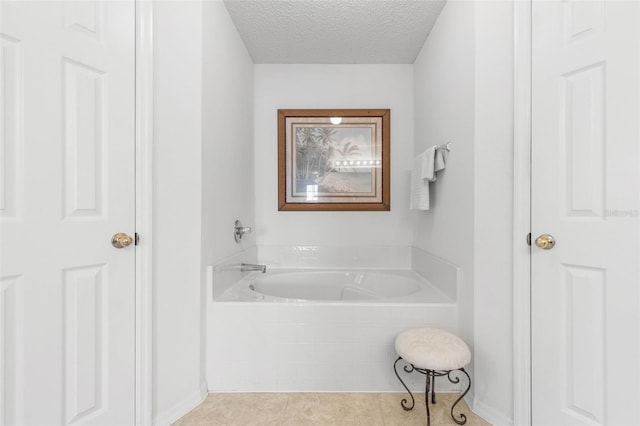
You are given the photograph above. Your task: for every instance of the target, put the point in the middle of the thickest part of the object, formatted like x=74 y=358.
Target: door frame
x=522 y=213
x=144 y=212
x=522 y=347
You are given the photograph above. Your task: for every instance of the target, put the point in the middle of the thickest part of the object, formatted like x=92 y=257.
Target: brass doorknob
x=545 y=242
x=121 y=240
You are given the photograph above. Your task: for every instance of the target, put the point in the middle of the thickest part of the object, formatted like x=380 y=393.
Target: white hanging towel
x=425 y=166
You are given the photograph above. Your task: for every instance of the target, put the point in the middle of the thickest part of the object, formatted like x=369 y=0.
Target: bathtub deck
x=428 y=293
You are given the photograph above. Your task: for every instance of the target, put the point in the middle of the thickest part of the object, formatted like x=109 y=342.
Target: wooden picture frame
x=334 y=159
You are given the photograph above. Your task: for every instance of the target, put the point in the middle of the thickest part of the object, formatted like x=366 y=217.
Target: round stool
x=434 y=353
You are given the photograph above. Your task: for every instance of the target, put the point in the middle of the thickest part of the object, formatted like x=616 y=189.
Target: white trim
x=178 y=411
x=490 y=414
x=522 y=215
x=144 y=222
x=638 y=112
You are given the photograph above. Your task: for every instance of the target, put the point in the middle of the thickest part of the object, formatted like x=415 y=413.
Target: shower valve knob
x=239 y=231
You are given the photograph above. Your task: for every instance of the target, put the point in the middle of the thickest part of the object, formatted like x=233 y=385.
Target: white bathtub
x=294 y=285
x=317 y=330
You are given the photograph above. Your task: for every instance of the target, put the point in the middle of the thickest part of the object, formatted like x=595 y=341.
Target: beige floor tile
x=440 y=411
x=238 y=409
x=323 y=409
x=335 y=409
x=393 y=414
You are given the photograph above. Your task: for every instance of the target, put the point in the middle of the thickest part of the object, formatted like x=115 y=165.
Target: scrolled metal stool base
x=430 y=387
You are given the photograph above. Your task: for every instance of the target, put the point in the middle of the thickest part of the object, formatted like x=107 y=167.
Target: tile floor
x=326 y=409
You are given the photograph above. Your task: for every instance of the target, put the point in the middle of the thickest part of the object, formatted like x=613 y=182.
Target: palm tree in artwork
x=305 y=141
x=348 y=151
x=325 y=135
x=314 y=149
x=324 y=138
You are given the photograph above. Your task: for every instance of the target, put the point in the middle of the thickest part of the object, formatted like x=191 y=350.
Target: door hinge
x=528 y=239
x=137 y=238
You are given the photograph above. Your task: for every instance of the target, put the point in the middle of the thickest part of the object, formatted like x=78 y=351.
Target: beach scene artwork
x=335 y=161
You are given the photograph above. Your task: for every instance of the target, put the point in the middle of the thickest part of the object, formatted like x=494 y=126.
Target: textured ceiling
x=334 y=31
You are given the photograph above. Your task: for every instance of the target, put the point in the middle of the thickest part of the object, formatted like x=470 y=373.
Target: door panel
x=84 y=132
x=585 y=187
x=67 y=296
x=11 y=136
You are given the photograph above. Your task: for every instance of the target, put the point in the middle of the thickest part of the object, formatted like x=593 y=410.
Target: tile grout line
x=384 y=420
x=286 y=407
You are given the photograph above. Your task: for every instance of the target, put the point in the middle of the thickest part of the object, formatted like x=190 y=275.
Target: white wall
x=177 y=206
x=463 y=94
x=444 y=111
x=227 y=135
x=203 y=151
x=493 y=318
x=332 y=86
x=227 y=148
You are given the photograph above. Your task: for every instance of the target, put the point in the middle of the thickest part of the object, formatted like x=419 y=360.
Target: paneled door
x=67 y=186
x=585 y=196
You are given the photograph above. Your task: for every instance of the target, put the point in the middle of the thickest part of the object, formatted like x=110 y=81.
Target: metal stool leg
x=463 y=418
x=433 y=387
x=429 y=383
x=404 y=400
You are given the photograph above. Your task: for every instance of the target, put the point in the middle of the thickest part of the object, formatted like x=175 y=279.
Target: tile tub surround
x=330 y=409
x=444 y=275
x=227 y=272
x=341 y=257
x=298 y=347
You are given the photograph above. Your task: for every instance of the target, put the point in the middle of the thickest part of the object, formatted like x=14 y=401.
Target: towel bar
x=446 y=147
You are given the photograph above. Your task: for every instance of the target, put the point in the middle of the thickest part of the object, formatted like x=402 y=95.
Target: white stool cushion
x=432 y=349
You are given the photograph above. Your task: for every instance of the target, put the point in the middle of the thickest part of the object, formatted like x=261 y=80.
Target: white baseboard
x=490 y=414
x=171 y=415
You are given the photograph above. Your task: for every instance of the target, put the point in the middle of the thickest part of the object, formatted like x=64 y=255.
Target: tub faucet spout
x=244 y=267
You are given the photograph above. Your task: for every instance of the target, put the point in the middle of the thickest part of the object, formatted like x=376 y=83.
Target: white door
x=67 y=170
x=585 y=191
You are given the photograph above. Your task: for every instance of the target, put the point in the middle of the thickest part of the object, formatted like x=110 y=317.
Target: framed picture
x=333 y=159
